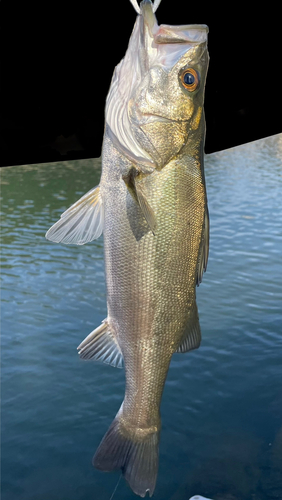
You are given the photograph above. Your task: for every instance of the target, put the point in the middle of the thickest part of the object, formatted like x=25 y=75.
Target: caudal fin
x=137 y=457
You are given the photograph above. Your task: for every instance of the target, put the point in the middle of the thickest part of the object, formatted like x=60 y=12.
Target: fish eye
x=190 y=79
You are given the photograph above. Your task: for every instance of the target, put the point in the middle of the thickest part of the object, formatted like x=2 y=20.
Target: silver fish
x=151 y=205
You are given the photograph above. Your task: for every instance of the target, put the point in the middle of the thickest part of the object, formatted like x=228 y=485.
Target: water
x=222 y=404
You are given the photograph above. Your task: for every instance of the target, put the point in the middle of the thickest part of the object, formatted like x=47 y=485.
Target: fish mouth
x=154 y=117
x=187 y=34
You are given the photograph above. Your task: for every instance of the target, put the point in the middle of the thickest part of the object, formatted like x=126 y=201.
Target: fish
x=151 y=206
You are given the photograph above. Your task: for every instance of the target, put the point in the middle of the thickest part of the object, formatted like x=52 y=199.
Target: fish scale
x=151 y=205
x=149 y=275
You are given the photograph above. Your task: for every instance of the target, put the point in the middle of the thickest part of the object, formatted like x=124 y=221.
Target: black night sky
x=58 y=59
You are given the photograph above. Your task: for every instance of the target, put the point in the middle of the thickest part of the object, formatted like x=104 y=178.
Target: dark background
x=58 y=59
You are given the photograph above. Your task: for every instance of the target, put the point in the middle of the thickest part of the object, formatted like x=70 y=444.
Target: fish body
x=151 y=205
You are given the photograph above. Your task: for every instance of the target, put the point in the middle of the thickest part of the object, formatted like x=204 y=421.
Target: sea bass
x=151 y=206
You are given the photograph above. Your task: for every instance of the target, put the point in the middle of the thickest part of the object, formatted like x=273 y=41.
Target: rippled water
x=222 y=404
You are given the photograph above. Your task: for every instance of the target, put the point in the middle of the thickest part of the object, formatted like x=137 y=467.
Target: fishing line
x=137 y=8
x=116 y=487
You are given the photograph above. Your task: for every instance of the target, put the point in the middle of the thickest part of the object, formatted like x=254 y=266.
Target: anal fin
x=192 y=335
x=101 y=344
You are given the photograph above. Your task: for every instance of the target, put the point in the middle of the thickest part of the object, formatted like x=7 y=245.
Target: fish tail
x=135 y=453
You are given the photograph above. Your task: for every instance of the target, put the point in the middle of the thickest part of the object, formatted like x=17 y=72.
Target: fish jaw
x=147 y=83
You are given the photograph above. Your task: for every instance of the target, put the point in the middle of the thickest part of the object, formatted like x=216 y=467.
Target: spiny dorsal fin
x=82 y=222
x=101 y=344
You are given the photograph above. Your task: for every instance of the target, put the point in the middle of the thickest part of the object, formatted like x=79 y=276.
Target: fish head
x=157 y=92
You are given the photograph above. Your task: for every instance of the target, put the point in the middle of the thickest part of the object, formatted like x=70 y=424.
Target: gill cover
x=147 y=108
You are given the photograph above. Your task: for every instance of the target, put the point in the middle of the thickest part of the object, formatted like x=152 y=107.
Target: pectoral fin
x=145 y=207
x=138 y=193
x=82 y=222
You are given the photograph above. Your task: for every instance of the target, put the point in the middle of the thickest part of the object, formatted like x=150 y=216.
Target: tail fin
x=138 y=457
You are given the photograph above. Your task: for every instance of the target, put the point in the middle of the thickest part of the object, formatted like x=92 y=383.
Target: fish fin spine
x=137 y=458
x=102 y=345
x=82 y=222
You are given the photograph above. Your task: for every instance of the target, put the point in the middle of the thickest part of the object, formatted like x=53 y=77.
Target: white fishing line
x=156 y=4
x=116 y=487
x=138 y=10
